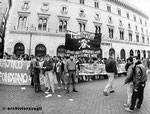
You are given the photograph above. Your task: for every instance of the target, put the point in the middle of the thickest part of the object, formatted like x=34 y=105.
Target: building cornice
x=125 y=42
x=38 y=33
x=128 y=6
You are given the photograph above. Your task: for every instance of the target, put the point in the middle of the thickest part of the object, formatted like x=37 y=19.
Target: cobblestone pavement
x=89 y=99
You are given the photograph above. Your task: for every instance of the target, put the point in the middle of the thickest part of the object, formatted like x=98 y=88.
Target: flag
x=83 y=43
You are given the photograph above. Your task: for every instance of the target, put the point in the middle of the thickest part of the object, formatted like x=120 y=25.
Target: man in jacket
x=111 y=70
x=71 y=72
x=139 y=81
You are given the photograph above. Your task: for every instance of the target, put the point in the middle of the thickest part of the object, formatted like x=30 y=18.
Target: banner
x=14 y=72
x=98 y=69
x=92 y=69
x=82 y=43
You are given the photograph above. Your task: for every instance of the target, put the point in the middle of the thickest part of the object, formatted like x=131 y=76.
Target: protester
x=111 y=70
x=139 y=82
x=36 y=78
x=48 y=66
x=129 y=80
x=59 y=70
x=71 y=73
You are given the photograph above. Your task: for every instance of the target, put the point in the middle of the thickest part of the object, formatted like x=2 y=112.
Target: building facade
x=38 y=26
x=5 y=5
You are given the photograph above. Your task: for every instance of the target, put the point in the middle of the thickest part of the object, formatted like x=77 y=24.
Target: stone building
x=39 y=26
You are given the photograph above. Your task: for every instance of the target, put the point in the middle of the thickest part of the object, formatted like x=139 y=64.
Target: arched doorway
x=144 y=54
x=19 y=49
x=131 y=53
x=138 y=54
x=40 y=50
x=61 y=51
x=112 y=52
x=123 y=54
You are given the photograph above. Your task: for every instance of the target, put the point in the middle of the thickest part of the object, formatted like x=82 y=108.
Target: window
x=121 y=35
x=134 y=18
x=119 y=12
x=127 y=15
x=96 y=4
x=140 y=21
x=22 y=22
x=145 y=23
x=129 y=26
x=147 y=31
x=137 y=38
x=42 y=25
x=97 y=29
x=130 y=36
x=81 y=1
x=62 y=26
x=143 y=39
x=136 y=28
x=109 y=8
x=148 y=40
x=111 y=32
x=142 y=30
x=81 y=26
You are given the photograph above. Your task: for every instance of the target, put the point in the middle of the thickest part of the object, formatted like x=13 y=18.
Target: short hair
x=130 y=59
x=137 y=58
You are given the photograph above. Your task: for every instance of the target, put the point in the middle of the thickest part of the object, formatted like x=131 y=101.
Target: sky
x=144 y=5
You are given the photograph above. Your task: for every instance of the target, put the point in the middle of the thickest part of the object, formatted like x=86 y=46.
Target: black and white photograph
x=74 y=56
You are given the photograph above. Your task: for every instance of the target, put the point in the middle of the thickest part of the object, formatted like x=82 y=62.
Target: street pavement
x=89 y=99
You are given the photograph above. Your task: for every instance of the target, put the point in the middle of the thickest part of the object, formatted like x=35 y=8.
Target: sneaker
x=59 y=87
x=105 y=93
x=49 y=95
x=112 y=91
x=75 y=90
x=126 y=105
x=137 y=109
x=129 y=110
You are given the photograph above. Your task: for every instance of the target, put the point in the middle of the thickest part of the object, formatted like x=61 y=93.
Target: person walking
x=139 y=82
x=48 y=66
x=111 y=70
x=129 y=80
x=71 y=73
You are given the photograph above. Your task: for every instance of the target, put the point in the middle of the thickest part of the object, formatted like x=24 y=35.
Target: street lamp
x=31 y=30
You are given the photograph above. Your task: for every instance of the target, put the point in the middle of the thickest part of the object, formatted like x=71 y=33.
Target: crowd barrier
x=14 y=72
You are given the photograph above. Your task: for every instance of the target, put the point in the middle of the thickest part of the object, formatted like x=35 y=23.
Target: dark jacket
x=110 y=66
x=48 y=64
x=139 y=75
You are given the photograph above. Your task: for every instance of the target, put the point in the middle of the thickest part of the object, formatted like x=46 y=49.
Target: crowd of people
x=69 y=67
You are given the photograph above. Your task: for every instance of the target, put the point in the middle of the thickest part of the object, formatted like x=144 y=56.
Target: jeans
x=60 y=77
x=138 y=95
x=129 y=92
x=71 y=77
x=36 y=81
x=109 y=86
x=49 y=79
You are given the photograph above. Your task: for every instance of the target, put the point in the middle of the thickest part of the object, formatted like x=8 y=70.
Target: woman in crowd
x=59 y=70
x=129 y=80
